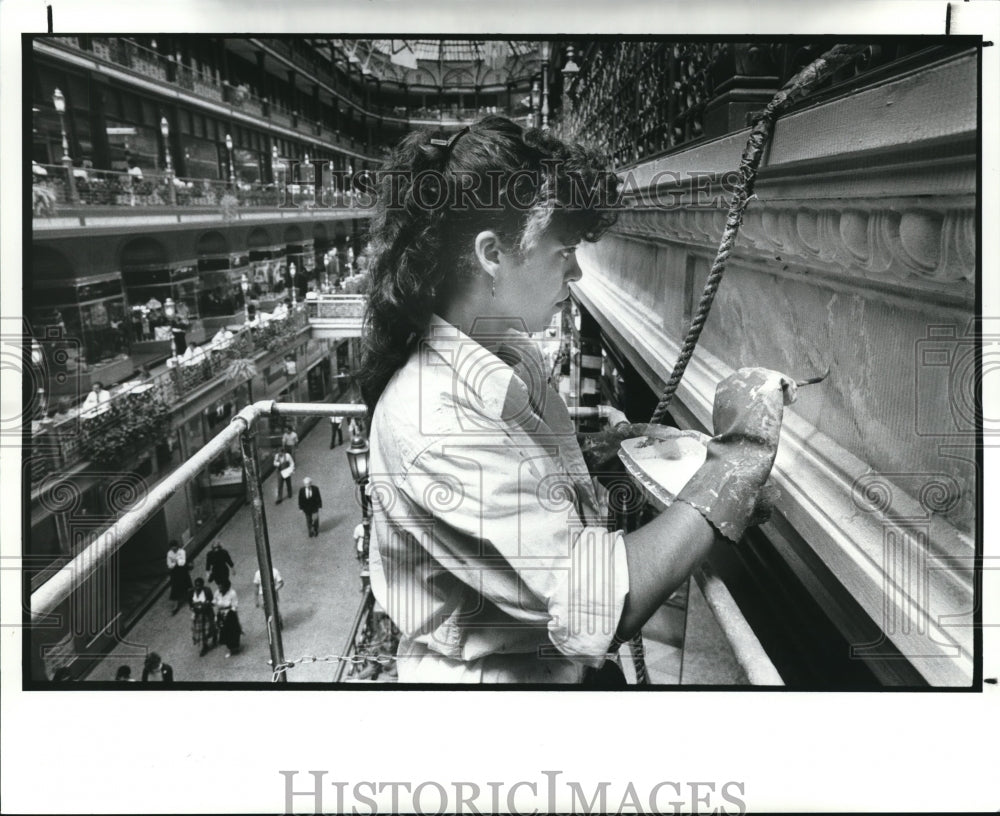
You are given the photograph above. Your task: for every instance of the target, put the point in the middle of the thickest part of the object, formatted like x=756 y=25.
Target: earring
x=494 y=287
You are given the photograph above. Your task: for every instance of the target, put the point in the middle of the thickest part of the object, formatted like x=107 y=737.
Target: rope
x=796 y=89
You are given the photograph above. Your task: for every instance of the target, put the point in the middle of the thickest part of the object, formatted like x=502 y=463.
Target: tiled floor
x=319 y=599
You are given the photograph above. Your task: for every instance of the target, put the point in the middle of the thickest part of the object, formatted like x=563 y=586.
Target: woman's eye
x=567 y=252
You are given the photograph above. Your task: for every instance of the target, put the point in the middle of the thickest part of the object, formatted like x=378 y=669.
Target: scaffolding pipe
x=255 y=498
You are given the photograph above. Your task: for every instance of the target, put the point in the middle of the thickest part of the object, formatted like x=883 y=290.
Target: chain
x=354 y=660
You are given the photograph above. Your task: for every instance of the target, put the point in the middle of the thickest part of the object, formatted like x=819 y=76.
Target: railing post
x=255 y=498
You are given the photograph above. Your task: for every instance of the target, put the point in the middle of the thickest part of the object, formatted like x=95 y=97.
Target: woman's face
x=534 y=285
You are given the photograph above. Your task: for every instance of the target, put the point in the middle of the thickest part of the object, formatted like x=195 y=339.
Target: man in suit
x=309 y=503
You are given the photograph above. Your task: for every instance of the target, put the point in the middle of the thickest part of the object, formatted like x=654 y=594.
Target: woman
x=227 y=620
x=203 y=631
x=154 y=669
x=180 y=579
x=491 y=553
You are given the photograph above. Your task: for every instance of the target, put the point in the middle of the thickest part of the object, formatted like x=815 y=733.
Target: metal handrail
x=61 y=586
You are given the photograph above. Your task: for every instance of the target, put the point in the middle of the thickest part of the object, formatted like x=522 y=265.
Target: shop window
x=167 y=455
x=148 y=289
x=318 y=380
x=91 y=316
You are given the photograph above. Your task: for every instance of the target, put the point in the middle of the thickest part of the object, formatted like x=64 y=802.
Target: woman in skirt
x=180 y=579
x=227 y=620
x=203 y=630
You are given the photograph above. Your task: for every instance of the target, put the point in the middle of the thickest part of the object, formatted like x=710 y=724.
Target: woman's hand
x=747 y=416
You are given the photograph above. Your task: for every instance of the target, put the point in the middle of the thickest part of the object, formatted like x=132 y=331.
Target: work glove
x=729 y=489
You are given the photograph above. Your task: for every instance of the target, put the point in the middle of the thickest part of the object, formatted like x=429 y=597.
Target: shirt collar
x=506 y=371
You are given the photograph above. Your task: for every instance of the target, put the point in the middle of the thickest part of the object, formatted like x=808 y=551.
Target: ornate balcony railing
x=62 y=442
x=336 y=307
x=634 y=100
x=111 y=188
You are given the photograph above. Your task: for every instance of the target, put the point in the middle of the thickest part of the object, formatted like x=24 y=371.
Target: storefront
x=88 y=315
x=147 y=288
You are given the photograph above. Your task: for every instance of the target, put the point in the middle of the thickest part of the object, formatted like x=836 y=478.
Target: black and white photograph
x=360 y=362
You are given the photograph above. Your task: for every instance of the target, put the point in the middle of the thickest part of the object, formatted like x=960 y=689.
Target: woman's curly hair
x=436 y=194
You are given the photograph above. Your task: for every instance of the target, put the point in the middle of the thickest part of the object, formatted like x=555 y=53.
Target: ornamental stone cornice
x=927 y=244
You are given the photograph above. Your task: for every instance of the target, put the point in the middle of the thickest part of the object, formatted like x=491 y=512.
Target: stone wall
x=858 y=253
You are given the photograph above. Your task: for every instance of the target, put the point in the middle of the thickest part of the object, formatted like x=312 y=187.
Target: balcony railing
x=53 y=192
x=336 y=307
x=63 y=442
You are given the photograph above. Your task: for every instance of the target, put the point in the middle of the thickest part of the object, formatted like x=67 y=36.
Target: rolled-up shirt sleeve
x=506 y=523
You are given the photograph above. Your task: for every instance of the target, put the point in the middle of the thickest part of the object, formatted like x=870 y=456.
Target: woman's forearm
x=660 y=557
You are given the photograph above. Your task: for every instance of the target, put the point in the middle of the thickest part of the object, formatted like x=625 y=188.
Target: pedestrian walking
x=155 y=670
x=289 y=439
x=310 y=502
x=279 y=582
x=203 y=632
x=180 y=579
x=227 y=620
x=218 y=562
x=336 y=434
x=285 y=465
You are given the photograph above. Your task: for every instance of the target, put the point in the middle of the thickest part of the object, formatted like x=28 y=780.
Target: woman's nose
x=575 y=273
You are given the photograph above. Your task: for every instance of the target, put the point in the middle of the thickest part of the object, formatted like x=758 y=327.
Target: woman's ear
x=488 y=251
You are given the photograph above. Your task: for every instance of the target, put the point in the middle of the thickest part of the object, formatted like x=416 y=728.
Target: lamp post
x=59 y=101
x=232 y=171
x=291 y=274
x=170 y=311
x=245 y=286
x=307 y=180
x=536 y=101
x=570 y=72
x=165 y=131
x=357 y=458
x=546 y=55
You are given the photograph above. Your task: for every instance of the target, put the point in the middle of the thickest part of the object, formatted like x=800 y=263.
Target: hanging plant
x=130 y=425
x=242 y=369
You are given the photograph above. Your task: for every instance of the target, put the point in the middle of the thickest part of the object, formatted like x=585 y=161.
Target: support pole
x=255 y=498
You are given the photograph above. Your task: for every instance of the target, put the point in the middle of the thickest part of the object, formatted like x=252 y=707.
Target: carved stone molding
x=900 y=242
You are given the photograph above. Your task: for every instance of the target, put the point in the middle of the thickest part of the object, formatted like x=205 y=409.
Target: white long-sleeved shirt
x=489 y=550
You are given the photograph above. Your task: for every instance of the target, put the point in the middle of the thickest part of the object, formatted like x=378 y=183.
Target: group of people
x=154 y=670
x=214 y=617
